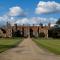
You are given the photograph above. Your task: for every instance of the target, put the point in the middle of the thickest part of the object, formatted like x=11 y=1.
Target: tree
x=41 y=25
x=58 y=22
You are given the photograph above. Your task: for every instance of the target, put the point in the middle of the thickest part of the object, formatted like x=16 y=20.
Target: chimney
x=15 y=26
x=49 y=25
x=8 y=25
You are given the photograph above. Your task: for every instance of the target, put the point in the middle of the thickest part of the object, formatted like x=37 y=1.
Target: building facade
x=25 y=31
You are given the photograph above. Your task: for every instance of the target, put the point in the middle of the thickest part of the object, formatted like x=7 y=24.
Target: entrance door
x=31 y=33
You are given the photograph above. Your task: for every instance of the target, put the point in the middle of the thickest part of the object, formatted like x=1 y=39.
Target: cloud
x=22 y=21
x=35 y=20
x=26 y=21
x=3 y=20
x=47 y=7
x=15 y=11
x=12 y=15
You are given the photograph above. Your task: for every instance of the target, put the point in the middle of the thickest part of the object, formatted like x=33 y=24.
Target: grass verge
x=53 y=45
x=6 y=43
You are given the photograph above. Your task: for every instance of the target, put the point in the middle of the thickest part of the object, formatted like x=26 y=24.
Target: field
x=6 y=43
x=53 y=45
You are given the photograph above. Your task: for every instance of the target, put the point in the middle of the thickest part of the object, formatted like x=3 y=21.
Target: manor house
x=24 y=31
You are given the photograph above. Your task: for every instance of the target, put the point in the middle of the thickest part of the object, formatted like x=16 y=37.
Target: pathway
x=28 y=50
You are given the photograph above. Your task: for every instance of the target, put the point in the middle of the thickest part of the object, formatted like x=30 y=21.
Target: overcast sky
x=29 y=11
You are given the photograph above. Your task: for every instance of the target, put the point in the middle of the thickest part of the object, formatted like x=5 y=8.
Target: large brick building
x=24 y=31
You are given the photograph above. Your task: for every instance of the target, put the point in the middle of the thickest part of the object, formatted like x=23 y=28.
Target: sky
x=29 y=11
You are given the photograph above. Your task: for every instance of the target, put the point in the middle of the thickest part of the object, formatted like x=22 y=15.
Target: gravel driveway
x=28 y=50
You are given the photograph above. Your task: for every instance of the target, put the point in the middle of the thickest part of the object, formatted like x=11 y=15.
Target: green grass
x=6 y=43
x=53 y=45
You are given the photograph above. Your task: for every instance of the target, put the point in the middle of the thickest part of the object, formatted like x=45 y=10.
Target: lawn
x=6 y=43
x=53 y=45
